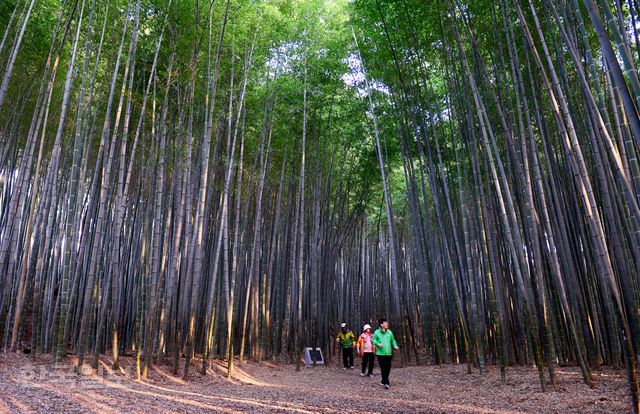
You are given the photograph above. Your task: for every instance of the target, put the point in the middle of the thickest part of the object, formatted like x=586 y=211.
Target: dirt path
x=39 y=386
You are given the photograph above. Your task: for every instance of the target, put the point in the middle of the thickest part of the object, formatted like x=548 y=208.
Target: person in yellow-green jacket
x=347 y=341
x=385 y=343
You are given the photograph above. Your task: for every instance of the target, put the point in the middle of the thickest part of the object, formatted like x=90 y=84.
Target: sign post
x=313 y=356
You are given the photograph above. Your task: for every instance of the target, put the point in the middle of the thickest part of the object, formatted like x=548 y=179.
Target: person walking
x=385 y=343
x=366 y=351
x=347 y=341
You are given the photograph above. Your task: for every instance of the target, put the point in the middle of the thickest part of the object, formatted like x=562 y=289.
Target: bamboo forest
x=202 y=188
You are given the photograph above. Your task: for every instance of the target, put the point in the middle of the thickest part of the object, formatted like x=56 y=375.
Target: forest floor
x=37 y=385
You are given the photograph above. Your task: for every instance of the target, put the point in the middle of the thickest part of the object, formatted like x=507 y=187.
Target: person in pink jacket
x=366 y=351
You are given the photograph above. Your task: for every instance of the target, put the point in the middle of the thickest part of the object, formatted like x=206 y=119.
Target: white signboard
x=311 y=355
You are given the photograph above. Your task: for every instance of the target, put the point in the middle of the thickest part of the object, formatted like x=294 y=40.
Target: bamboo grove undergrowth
x=217 y=179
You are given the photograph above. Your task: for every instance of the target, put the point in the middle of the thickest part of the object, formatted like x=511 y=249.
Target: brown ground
x=40 y=386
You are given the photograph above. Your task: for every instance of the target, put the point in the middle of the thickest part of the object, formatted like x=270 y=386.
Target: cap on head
x=366 y=326
x=343 y=325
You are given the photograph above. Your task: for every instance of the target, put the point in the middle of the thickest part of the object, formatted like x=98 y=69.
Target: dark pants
x=385 y=367
x=367 y=362
x=347 y=357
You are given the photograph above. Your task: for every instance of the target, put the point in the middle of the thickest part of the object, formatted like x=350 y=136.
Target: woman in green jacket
x=385 y=343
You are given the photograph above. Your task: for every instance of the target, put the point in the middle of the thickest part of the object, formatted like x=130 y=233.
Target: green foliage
x=311 y=33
